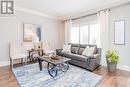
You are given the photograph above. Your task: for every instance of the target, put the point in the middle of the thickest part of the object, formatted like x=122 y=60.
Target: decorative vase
x=111 y=67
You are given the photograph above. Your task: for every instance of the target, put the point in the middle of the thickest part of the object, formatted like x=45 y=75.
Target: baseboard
x=4 y=63
x=121 y=67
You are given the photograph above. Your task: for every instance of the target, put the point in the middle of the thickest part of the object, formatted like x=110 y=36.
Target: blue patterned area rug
x=31 y=76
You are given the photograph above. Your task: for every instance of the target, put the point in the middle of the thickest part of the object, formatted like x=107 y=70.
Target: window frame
x=85 y=24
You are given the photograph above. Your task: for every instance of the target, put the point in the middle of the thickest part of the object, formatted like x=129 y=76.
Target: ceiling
x=62 y=8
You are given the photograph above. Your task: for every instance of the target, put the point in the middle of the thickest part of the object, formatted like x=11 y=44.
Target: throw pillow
x=80 y=51
x=89 y=51
x=74 y=50
x=66 y=48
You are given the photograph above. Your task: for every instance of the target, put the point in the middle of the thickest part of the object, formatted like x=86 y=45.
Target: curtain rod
x=83 y=16
x=96 y=12
x=87 y=15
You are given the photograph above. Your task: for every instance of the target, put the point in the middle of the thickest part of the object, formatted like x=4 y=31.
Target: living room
x=59 y=44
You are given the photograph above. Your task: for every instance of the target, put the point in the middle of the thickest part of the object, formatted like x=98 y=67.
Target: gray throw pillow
x=80 y=51
x=74 y=50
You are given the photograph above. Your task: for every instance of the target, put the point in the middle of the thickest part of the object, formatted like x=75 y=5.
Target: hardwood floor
x=119 y=79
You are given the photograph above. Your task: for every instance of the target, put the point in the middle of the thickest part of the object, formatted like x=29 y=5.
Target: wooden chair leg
x=22 y=61
x=12 y=63
x=26 y=60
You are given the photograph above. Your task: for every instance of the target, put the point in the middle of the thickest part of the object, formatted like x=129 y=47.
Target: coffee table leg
x=40 y=63
x=52 y=70
x=65 y=67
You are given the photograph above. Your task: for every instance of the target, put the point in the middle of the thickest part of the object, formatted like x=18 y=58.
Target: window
x=94 y=34
x=83 y=34
x=86 y=34
x=75 y=35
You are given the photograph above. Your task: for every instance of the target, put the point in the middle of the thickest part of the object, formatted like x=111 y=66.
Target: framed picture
x=119 y=33
x=31 y=33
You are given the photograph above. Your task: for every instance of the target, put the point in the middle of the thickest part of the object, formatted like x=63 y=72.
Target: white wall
x=11 y=30
x=121 y=13
x=62 y=33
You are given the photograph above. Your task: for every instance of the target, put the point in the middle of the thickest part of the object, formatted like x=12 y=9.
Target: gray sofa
x=89 y=62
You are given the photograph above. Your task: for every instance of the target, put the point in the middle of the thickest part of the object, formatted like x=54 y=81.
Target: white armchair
x=16 y=53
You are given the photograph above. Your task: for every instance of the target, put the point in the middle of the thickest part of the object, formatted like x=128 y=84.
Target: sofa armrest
x=99 y=50
x=93 y=61
x=58 y=51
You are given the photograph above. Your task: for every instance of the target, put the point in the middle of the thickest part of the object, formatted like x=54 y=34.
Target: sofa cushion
x=66 y=48
x=75 y=56
x=80 y=51
x=88 y=51
x=74 y=50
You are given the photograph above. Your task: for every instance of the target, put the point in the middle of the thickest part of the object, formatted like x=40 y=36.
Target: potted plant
x=112 y=60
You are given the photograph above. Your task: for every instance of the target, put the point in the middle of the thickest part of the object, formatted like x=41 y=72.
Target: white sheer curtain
x=103 y=21
x=68 y=25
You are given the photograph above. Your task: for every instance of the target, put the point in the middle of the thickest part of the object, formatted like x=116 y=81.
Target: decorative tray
x=55 y=57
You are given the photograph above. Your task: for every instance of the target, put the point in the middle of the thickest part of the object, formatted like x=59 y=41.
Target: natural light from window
x=86 y=34
x=94 y=34
x=83 y=34
x=75 y=35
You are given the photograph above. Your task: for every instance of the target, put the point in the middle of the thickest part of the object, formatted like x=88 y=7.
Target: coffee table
x=54 y=66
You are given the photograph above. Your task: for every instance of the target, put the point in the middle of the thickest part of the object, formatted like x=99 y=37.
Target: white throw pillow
x=89 y=51
x=66 y=48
